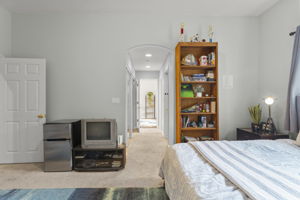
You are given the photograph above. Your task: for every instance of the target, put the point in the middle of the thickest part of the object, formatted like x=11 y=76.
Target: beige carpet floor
x=144 y=155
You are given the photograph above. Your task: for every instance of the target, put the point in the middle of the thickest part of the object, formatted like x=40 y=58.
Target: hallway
x=144 y=155
x=148 y=123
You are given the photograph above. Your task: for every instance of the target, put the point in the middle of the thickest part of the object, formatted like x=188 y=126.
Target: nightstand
x=248 y=134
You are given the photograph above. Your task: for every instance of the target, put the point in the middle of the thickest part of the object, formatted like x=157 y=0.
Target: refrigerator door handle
x=58 y=139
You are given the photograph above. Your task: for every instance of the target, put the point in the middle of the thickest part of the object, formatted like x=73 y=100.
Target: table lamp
x=270 y=126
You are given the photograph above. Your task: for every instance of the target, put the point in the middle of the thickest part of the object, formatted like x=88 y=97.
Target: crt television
x=99 y=133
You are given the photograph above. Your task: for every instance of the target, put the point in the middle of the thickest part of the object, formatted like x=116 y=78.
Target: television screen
x=98 y=130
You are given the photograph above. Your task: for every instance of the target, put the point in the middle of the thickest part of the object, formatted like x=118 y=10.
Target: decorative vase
x=255 y=127
x=199 y=94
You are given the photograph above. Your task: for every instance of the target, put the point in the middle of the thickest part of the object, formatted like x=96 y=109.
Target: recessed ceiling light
x=148 y=55
x=148 y=66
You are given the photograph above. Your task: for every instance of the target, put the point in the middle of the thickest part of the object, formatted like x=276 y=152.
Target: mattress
x=189 y=176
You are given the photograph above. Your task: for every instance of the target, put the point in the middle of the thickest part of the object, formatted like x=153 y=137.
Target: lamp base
x=270 y=126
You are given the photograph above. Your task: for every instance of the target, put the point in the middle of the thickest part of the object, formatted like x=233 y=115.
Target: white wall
x=86 y=57
x=276 y=54
x=5 y=32
x=147 y=75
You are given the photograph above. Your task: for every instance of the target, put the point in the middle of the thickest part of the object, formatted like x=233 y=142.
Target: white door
x=22 y=109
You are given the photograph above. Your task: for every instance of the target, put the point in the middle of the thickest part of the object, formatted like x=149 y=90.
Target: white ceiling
x=140 y=61
x=201 y=7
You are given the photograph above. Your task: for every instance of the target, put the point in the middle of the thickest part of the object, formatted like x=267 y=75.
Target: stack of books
x=116 y=164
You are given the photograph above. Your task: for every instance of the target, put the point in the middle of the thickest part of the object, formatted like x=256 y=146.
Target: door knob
x=41 y=116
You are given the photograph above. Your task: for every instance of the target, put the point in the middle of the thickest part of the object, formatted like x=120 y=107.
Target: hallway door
x=22 y=109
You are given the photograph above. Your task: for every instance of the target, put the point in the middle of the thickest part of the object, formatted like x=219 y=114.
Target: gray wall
x=5 y=32
x=276 y=54
x=86 y=59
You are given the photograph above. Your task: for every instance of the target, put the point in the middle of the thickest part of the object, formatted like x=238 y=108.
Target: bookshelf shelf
x=198 y=129
x=195 y=123
x=191 y=98
x=198 y=82
x=198 y=113
x=196 y=67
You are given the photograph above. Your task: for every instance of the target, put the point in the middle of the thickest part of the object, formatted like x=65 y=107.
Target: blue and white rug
x=85 y=194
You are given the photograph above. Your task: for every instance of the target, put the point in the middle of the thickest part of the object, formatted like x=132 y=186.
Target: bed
x=237 y=170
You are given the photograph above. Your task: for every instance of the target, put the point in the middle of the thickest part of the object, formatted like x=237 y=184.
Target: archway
x=165 y=77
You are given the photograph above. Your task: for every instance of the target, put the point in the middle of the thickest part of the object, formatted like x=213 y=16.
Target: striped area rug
x=85 y=194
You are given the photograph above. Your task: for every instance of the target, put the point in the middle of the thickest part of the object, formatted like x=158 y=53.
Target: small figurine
x=194 y=124
x=203 y=60
x=210 y=33
x=212 y=58
x=211 y=124
x=181 y=37
x=195 y=38
x=210 y=76
x=204 y=122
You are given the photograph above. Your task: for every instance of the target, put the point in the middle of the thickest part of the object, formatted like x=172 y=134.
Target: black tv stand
x=109 y=159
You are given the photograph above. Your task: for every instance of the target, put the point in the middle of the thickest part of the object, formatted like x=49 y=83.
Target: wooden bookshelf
x=210 y=87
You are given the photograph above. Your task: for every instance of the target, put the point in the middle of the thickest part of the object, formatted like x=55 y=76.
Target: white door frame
x=172 y=101
x=130 y=76
x=138 y=104
x=164 y=78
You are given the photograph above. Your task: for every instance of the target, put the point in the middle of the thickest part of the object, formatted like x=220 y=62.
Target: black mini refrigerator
x=59 y=139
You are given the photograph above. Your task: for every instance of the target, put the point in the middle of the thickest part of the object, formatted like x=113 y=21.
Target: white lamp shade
x=269 y=100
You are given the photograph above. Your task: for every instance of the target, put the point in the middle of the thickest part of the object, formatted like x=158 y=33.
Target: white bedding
x=189 y=176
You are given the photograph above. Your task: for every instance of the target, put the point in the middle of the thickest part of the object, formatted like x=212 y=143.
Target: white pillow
x=298 y=139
